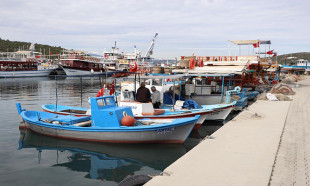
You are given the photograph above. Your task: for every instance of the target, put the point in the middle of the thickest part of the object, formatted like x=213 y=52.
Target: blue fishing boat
x=251 y=95
x=152 y=114
x=107 y=125
x=241 y=103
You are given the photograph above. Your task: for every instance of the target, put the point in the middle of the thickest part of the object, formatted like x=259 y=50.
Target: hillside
x=13 y=46
x=301 y=55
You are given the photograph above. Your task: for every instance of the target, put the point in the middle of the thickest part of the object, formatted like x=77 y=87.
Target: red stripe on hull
x=197 y=126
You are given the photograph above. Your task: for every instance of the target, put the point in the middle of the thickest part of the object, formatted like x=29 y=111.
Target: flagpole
x=258 y=48
x=265 y=51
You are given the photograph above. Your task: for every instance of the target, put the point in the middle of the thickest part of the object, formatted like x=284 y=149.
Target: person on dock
x=143 y=94
x=155 y=97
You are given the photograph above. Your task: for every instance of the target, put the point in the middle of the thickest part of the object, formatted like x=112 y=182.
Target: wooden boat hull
x=175 y=132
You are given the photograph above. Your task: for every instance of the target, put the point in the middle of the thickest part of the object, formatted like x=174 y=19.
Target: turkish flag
x=256 y=44
x=270 y=52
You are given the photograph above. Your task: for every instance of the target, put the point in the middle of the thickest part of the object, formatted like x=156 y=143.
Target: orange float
x=192 y=63
x=128 y=121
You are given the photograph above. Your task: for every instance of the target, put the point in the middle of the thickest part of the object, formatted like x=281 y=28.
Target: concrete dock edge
x=242 y=152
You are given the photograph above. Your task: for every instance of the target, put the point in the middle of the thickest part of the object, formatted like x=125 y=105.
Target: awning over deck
x=250 y=42
x=212 y=70
x=157 y=77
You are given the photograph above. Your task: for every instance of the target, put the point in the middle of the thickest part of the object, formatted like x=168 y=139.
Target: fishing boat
x=146 y=110
x=108 y=124
x=219 y=111
x=140 y=111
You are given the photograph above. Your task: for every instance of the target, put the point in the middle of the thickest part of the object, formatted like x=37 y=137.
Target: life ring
x=192 y=63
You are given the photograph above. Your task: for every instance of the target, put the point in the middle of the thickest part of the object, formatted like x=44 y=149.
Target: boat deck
x=267 y=144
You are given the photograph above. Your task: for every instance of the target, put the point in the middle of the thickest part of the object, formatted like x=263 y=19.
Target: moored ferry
x=24 y=64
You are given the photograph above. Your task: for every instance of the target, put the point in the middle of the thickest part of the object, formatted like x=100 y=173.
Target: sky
x=185 y=27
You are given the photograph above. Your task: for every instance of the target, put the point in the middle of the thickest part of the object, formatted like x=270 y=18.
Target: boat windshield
x=157 y=82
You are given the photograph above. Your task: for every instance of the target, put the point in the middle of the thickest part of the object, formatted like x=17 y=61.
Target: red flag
x=256 y=44
x=270 y=52
x=100 y=93
x=274 y=55
x=50 y=53
x=133 y=67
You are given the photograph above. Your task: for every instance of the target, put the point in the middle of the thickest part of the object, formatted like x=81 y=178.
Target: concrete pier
x=267 y=144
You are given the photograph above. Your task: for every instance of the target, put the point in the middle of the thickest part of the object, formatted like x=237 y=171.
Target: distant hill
x=282 y=59
x=13 y=46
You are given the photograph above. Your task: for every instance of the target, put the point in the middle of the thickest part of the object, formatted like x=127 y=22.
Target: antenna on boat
x=114 y=87
x=100 y=81
x=173 y=99
x=81 y=90
x=56 y=93
x=135 y=82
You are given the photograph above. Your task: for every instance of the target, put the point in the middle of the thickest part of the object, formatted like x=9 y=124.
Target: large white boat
x=78 y=63
x=24 y=64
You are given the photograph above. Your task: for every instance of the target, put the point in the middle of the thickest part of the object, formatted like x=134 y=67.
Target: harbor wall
x=242 y=152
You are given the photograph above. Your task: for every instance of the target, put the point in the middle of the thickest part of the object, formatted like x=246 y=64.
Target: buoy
x=192 y=63
x=128 y=121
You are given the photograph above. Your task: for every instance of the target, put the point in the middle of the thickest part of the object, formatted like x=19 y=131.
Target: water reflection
x=110 y=162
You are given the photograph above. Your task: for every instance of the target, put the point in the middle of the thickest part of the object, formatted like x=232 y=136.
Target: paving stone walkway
x=292 y=162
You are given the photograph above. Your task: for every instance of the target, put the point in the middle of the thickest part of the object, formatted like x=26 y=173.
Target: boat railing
x=231 y=92
x=11 y=59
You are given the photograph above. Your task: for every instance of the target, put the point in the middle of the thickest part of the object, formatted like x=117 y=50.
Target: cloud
x=184 y=26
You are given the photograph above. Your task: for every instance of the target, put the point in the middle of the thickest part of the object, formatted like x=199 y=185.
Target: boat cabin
x=105 y=112
x=138 y=109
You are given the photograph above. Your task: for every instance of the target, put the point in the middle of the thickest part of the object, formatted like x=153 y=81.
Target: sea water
x=27 y=158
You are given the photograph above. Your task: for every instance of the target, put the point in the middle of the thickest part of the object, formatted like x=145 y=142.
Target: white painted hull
x=76 y=72
x=208 y=99
x=219 y=114
x=30 y=73
x=176 y=134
